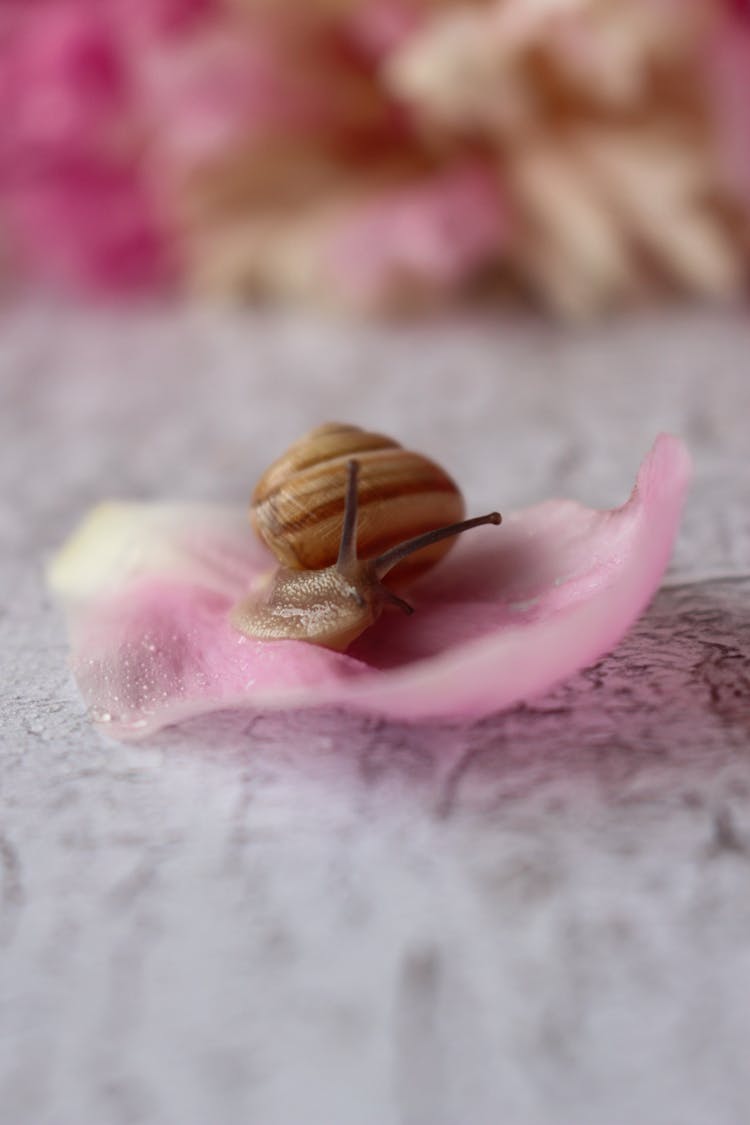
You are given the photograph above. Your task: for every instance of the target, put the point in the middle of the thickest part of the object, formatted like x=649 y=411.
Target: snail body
x=379 y=505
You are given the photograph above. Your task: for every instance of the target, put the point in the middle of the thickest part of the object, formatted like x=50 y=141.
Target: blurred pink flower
x=91 y=224
x=62 y=81
x=70 y=153
x=149 y=589
x=228 y=88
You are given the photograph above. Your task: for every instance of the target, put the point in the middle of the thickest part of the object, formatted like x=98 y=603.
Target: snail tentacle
x=389 y=559
x=348 y=546
x=394 y=599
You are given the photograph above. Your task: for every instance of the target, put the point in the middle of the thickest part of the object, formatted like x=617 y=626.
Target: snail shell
x=298 y=503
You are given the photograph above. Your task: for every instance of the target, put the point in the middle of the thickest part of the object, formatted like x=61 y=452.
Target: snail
x=341 y=509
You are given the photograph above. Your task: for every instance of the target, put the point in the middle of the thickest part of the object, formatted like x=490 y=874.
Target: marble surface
x=539 y=919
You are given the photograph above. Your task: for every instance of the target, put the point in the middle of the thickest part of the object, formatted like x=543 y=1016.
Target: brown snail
x=341 y=509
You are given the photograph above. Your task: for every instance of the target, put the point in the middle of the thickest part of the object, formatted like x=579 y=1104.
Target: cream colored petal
x=569 y=223
x=655 y=185
x=462 y=72
x=266 y=255
x=565 y=286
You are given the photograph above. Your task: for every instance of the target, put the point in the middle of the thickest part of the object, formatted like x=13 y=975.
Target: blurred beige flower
x=609 y=215
x=595 y=112
x=502 y=66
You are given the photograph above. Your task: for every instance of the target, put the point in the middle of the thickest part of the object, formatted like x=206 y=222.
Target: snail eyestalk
x=387 y=561
x=348 y=544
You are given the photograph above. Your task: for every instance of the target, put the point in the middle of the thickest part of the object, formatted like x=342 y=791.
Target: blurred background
x=377 y=156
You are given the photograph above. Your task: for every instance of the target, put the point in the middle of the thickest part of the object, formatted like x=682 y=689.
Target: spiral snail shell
x=298 y=503
x=341 y=509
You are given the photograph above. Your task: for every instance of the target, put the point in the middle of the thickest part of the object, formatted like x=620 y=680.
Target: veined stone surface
x=539 y=919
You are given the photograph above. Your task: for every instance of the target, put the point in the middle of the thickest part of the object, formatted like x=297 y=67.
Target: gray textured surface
x=541 y=919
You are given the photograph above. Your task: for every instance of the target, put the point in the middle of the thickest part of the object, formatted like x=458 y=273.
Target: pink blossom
x=109 y=106
x=224 y=91
x=76 y=203
x=148 y=591
x=91 y=225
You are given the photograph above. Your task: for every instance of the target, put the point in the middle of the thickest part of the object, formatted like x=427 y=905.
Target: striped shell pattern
x=298 y=503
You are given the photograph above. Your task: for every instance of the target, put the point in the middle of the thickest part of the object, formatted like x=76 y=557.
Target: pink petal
x=91 y=225
x=378 y=27
x=220 y=90
x=72 y=190
x=62 y=76
x=166 y=19
x=728 y=69
x=438 y=231
x=510 y=612
x=250 y=79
